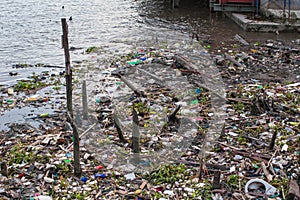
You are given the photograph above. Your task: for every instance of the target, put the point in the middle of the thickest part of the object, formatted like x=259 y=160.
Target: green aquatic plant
x=79 y=195
x=239 y=107
x=204 y=192
x=281 y=183
x=20 y=154
x=28 y=85
x=92 y=49
x=233 y=180
x=141 y=108
x=289 y=96
x=168 y=174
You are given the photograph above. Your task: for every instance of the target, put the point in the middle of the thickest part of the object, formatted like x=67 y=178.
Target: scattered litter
x=260 y=102
x=130 y=176
x=42 y=197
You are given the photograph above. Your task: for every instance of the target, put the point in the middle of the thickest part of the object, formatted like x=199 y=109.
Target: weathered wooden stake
x=84 y=101
x=65 y=43
x=217 y=180
x=119 y=130
x=272 y=143
x=172 y=116
x=200 y=168
x=4 y=169
x=223 y=131
x=135 y=136
x=76 y=150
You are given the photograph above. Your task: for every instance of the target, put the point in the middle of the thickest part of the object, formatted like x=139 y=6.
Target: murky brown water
x=30 y=31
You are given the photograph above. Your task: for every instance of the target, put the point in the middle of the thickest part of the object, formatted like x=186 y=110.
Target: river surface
x=30 y=31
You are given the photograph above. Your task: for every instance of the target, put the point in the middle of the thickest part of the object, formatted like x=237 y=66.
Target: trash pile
x=156 y=91
x=157 y=94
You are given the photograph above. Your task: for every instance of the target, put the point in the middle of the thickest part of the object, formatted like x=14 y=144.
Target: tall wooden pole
x=76 y=151
x=65 y=43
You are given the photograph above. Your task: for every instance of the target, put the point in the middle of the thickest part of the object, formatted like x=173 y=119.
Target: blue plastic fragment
x=100 y=175
x=68 y=155
x=84 y=179
x=198 y=91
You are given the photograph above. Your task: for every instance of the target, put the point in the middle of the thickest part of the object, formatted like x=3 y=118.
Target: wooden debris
x=186 y=62
x=241 y=40
x=82 y=134
x=132 y=87
x=234 y=61
x=142 y=186
x=266 y=172
x=152 y=75
x=192 y=68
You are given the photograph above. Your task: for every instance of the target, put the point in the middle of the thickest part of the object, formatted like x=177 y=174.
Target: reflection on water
x=31 y=30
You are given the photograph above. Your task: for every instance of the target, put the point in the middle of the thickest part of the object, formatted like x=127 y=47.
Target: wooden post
x=118 y=127
x=272 y=143
x=217 y=180
x=135 y=137
x=4 y=168
x=200 y=168
x=76 y=150
x=65 y=43
x=84 y=101
x=172 y=116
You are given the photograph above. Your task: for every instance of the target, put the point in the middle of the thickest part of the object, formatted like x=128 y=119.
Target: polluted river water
x=31 y=31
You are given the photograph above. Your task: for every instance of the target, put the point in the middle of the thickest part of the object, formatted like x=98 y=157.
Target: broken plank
x=132 y=87
x=152 y=75
x=234 y=61
x=241 y=40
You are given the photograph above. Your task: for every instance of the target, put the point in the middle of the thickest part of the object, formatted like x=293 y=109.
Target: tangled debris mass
x=255 y=156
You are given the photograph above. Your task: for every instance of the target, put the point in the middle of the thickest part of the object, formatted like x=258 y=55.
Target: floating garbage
x=84 y=179
x=100 y=175
x=99 y=167
x=259 y=103
x=10 y=91
x=130 y=176
x=43 y=197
